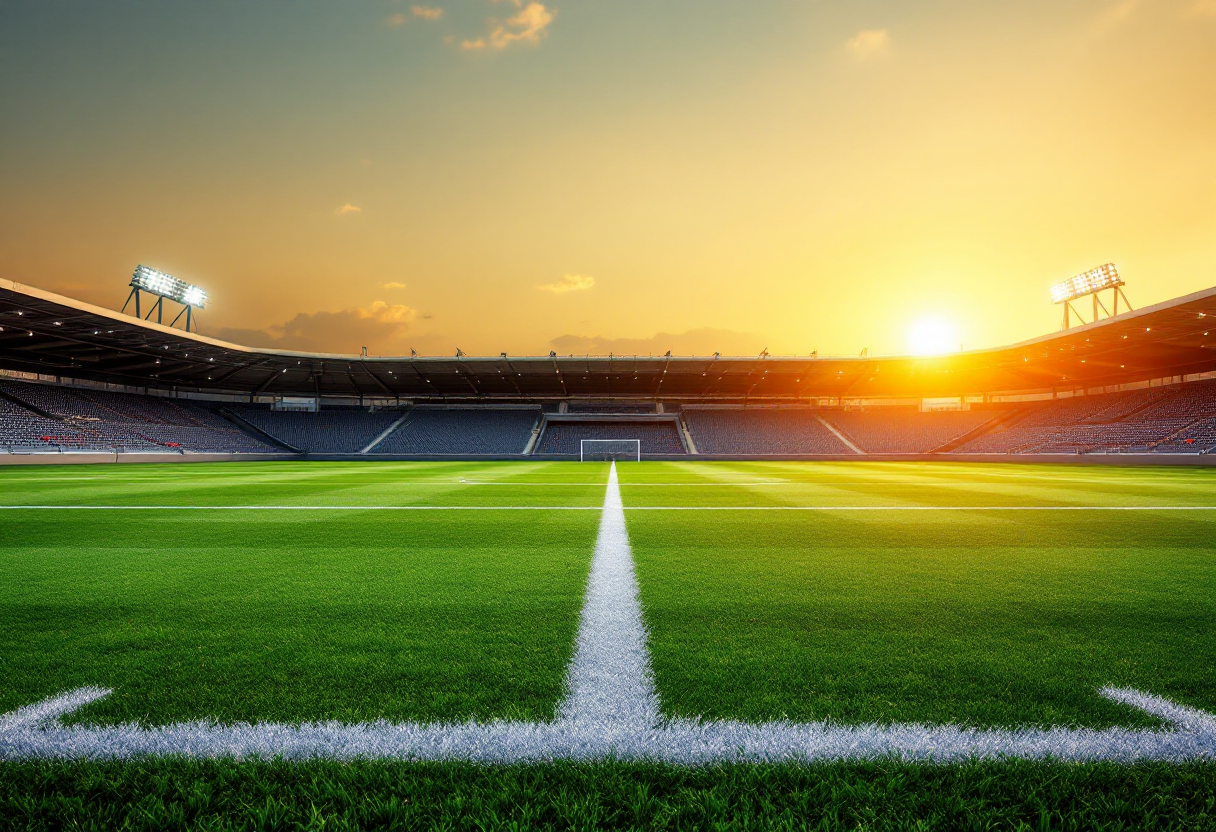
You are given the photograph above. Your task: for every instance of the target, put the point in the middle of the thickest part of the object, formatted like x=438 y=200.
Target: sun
x=932 y=336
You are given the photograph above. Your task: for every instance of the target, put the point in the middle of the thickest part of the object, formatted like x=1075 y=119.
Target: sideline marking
x=611 y=711
x=301 y=508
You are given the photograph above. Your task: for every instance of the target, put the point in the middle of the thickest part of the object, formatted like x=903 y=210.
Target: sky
x=595 y=176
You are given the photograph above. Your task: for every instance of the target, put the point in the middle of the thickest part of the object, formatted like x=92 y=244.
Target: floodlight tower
x=163 y=286
x=1091 y=283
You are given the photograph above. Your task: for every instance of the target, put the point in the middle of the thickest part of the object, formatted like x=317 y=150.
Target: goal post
x=602 y=450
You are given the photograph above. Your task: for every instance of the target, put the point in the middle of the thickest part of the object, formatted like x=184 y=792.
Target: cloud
x=528 y=25
x=568 y=283
x=392 y=286
x=347 y=209
x=869 y=43
x=378 y=327
x=427 y=12
x=395 y=20
x=704 y=341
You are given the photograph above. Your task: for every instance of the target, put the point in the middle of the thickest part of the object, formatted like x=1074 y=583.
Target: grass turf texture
x=174 y=794
x=978 y=617
x=288 y=615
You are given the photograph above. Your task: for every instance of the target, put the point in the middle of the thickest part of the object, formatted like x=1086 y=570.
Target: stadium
x=569 y=414
x=803 y=569
x=80 y=381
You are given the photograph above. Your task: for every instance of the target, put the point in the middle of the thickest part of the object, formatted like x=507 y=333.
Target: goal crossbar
x=601 y=450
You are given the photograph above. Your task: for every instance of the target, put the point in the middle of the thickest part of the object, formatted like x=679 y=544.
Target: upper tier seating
x=657 y=437
x=457 y=431
x=328 y=431
x=906 y=431
x=761 y=432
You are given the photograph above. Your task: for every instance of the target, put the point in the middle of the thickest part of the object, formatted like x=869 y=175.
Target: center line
x=609 y=681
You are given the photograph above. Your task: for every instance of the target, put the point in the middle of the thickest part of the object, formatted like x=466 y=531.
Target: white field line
x=609 y=683
x=611 y=712
x=28 y=735
x=298 y=508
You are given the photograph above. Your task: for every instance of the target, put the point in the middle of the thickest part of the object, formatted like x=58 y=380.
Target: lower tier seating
x=334 y=431
x=761 y=432
x=1148 y=420
x=461 y=431
x=906 y=431
x=45 y=417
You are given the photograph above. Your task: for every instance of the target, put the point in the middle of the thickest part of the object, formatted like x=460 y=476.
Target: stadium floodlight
x=1086 y=283
x=168 y=286
x=164 y=286
x=1090 y=283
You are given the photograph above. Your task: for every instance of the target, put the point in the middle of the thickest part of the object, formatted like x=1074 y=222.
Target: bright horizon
x=580 y=176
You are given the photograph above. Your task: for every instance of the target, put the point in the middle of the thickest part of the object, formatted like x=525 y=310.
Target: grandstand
x=23 y=429
x=906 y=431
x=78 y=378
x=1154 y=419
x=343 y=430
x=1171 y=419
x=765 y=431
x=44 y=417
x=462 y=431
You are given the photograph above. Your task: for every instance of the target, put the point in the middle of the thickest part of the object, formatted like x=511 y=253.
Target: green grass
x=173 y=794
x=287 y=615
x=978 y=617
x=981 y=617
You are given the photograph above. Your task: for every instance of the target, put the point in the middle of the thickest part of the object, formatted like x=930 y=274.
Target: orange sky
x=594 y=176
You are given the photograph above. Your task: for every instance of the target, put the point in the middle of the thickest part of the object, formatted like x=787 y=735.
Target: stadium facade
x=79 y=378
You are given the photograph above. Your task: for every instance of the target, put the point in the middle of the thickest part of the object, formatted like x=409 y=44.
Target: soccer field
x=1002 y=598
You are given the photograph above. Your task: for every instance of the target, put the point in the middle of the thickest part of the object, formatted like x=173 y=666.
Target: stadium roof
x=42 y=332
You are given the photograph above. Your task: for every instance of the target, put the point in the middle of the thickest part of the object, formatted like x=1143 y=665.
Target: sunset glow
x=628 y=176
x=932 y=336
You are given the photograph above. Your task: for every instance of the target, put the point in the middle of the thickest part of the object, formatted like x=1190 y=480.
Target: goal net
x=604 y=449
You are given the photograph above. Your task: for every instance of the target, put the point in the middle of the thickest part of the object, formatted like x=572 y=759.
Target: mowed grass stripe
x=293 y=615
x=888 y=484
x=313 y=484
x=592 y=508
x=984 y=615
x=295 y=508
